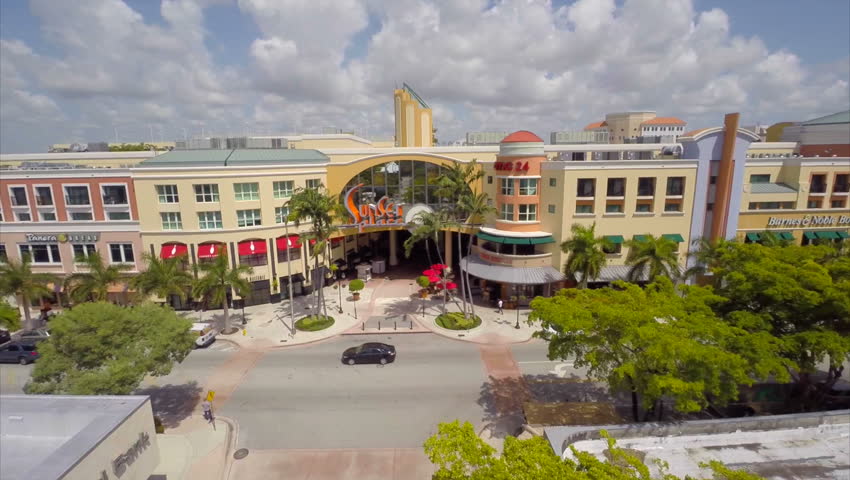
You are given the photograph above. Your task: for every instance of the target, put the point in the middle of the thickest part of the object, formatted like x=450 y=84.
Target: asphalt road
x=305 y=398
x=13 y=377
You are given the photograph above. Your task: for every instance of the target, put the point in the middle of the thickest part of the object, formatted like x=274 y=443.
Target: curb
x=388 y=332
x=229 y=445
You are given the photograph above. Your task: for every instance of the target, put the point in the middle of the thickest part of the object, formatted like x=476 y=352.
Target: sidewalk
x=195 y=450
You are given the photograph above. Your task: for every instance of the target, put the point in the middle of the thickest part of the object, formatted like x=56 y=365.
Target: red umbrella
x=430 y=273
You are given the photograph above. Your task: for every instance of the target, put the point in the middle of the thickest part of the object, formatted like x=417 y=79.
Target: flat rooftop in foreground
x=801 y=446
x=43 y=436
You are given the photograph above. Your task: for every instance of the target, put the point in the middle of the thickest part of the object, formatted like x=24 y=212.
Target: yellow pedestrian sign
x=210 y=395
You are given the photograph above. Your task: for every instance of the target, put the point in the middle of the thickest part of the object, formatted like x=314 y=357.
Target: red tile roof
x=664 y=121
x=522 y=136
x=591 y=126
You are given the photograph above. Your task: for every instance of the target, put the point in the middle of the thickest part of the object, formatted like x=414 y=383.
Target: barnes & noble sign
x=810 y=221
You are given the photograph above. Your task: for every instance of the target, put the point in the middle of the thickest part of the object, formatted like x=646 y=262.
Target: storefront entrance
x=259 y=293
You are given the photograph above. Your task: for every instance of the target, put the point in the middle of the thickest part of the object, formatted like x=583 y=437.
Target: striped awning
x=515 y=240
x=503 y=274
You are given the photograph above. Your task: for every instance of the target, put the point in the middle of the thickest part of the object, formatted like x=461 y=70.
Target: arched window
x=405 y=181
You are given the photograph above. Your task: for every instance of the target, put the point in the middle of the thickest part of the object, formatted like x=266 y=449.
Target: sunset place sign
x=809 y=221
x=384 y=213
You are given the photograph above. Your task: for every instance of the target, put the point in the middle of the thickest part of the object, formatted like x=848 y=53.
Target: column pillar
x=448 y=250
x=393 y=248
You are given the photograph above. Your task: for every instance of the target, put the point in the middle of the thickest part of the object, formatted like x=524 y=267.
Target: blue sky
x=90 y=69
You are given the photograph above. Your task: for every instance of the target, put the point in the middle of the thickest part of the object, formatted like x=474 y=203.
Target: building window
x=41 y=253
x=206 y=193
x=646 y=187
x=506 y=212
x=19 y=196
x=551 y=208
x=4 y=257
x=613 y=248
x=760 y=178
x=256 y=260
x=528 y=213
x=248 y=218
x=280 y=214
x=81 y=216
x=553 y=182
x=837 y=203
x=842 y=183
x=813 y=204
x=24 y=216
x=118 y=216
x=246 y=191
x=713 y=180
x=818 y=184
x=77 y=196
x=283 y=189
x=43 y=196
x=171 y=221
x=507 y=185
x=709 y=207
x=489 y=180
x=588 y=208
x=294 y=253
x=121 y=253
x=47 y=216
x=83 y=250
x=614 y=208
x=528 y=186
x=314 y=183
x=167 y=193
x=672 y=206
x=643 y=208
x=675 y=186
x=114 y=194
x=586 y=187
x=616 y=187
x=209 y=220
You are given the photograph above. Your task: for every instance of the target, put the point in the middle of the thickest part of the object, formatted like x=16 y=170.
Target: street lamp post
x=289 y=269
x=517 y=317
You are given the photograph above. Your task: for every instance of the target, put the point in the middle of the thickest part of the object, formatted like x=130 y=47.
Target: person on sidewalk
x=500 y=303
x=206 y=406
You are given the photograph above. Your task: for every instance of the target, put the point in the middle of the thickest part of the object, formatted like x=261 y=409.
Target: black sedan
x=369 y=353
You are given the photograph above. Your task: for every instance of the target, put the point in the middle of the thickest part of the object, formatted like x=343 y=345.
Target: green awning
x=785 y=235
x=843 y=234
x=674 y=236
x=753 y=237
x=828 y=235
x=614 y=238
x=810 y=235
x=542 y=240
x=641 y=238
x=516 y=241
x=490 y=238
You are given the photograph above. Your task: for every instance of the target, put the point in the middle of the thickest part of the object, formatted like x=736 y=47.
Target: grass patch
x=314 y=323
x=455 y=321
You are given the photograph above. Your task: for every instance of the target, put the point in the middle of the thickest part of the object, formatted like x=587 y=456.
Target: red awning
x=209 y=250
x=252 y=247
x=173 y=250
x=283 y=244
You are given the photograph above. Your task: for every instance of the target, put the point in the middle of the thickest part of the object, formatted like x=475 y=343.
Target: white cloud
x=503 y=64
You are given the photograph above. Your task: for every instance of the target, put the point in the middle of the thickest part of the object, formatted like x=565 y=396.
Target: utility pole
x=289 y=269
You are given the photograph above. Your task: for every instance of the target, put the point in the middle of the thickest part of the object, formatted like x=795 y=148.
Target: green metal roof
x=674 y=236
x=235 y=158
x=615 y=238
x=840 y=117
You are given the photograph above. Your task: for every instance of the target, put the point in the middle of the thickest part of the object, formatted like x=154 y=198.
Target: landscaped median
x=456 y=321
x=314 y=323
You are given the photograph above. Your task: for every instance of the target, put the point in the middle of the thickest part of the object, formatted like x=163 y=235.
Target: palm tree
x=217 y=280
x=163 y=278
x=586 y=254
x=17 y=278
x=476 y=208
x=320 y=209
x=428 y=226
x=93 y=284
x=653 y=256
x=707 y=256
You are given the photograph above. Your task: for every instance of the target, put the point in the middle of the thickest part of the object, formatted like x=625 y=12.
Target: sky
x=151 y=70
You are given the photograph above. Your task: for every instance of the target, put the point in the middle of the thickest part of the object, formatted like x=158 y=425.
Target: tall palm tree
x=93 y=283
x=320 y=209
x=477 y=209
x=218 y=277
x=17 y=278
x=653 y=256
x=428 y=226
x=586 y=254
x=163 y=278
x=707 y=255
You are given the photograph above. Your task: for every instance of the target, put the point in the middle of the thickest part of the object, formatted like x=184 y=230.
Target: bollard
x=395 y=325
x=379 y=324
x=364 y=327
x=411 y=324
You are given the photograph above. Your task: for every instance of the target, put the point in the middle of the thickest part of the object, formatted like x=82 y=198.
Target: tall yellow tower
x=413 y=122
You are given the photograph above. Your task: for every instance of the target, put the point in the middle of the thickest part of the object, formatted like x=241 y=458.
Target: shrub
x=455 y=321
x=314 y=323
x=356 y=285
x=423 y=281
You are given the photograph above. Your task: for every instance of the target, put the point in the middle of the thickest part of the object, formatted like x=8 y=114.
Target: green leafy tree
x=217 y=279
x=10 y=317
x=585 y=254
x=428 y=227
x=657 y=343
x=163 y=278
x=320 y=209
x=706 y=256
x=477 y=208
x=93 y=281
x=460 y=454
x=18 y=279
x=105 y=349
x=651 y=257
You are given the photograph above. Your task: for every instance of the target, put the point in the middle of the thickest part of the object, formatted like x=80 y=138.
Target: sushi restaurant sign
x=810 y=221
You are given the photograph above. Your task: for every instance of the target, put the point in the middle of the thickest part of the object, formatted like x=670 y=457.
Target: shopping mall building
x=198 y=203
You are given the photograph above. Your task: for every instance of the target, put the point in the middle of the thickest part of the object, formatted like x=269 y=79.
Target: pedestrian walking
x=207 y=408
x=500 y=303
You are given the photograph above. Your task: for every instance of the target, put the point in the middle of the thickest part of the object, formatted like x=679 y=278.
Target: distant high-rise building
x=577 y=138
x=628 y=127
x=413 y=119
x=484 y=138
